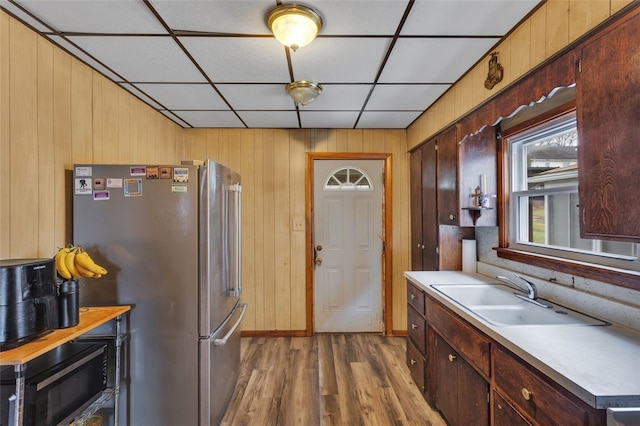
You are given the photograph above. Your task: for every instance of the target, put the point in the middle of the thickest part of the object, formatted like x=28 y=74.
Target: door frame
x=386 y=276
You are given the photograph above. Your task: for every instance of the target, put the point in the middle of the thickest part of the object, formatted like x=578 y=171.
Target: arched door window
x=348 y=179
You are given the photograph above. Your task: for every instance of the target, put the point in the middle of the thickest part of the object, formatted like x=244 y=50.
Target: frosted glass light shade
x=304 y=92
x=294 y=25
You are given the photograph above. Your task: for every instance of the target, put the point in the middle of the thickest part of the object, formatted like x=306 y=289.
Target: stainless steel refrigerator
x=170 y=238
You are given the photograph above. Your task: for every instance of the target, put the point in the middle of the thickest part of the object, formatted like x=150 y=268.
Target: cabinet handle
x=526 y=394
x=452 y=357
x=414 y=326
x=414 y=362
x=413 y=297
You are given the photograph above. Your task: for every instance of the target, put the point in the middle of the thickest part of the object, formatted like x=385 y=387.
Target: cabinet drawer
x=417 y=329
x=415 y=297
x=533 y=396
x=504 y=414
x=475 y=347
x=416 y=363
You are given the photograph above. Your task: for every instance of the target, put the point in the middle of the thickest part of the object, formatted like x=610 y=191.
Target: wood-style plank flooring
x=342 y=379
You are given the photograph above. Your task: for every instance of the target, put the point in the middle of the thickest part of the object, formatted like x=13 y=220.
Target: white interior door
x=348 y=245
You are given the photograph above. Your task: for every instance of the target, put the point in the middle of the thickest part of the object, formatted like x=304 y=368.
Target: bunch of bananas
x=74 y=262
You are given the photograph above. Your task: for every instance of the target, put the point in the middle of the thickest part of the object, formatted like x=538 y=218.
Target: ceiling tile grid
x=381 y=63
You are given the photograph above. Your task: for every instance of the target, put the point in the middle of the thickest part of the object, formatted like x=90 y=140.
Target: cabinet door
x=448 y=178
x=415 y=188
x=608 y=107
x=446 y=381
x=462 y=394
x=424 y=220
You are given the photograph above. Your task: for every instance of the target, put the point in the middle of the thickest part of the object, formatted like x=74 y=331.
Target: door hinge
x=435 y=146
x=579 y=66
x=384 y=247
x=488 y=397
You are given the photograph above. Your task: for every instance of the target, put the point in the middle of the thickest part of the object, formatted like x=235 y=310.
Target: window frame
x=608 y=274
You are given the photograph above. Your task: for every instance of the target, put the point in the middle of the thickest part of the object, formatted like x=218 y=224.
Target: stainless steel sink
x=498 y=305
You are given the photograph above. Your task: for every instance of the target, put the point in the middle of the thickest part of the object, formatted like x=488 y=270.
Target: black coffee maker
x=28 y=300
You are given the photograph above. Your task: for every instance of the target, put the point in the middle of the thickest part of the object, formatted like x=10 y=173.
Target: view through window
x=544 y=192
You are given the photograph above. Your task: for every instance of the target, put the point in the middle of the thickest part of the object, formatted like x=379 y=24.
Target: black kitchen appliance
x=58 y=385
x=28 y=300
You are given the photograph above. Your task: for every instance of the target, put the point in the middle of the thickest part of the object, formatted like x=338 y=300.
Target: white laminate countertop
x=598 y=364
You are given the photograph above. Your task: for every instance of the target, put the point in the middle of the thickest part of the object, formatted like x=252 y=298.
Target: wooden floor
x=344 y=379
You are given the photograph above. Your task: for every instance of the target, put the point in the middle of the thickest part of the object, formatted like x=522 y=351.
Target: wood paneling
x=272 y=163
x=547 y=31
x=54 y=112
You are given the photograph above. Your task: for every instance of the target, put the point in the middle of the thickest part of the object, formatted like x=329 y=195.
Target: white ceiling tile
x=465 y=17
x=328 y=119
x=239 y=60
x=98 y=16
x=184 y=96
x=136 y=92
x=257 y=96
x=142 y=59
x=405 y=96
x=270 y=119
x=210 y=118
x=341 y=97
x=424 y=60
x=221 y=16
x=359 y=17
x=340 y=60
x=25 y=17
x=387 y=119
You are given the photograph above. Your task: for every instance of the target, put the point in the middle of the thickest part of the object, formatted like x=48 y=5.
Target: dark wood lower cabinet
x=462 y=372
x=462 y=395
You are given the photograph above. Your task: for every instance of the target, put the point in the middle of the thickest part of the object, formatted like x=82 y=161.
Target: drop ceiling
x=215 y=63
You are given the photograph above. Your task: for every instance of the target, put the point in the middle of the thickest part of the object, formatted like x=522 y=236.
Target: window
x=348 y=179
x=543 y=197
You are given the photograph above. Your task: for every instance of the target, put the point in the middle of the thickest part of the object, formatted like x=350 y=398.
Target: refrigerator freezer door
x=220 y=368
x=219 y=245
x=148 y=241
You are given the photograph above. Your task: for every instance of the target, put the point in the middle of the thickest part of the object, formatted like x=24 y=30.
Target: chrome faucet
x=531 y=290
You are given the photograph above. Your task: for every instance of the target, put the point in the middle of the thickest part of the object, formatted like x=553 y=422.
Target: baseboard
x=273 y=333
x=399 y=333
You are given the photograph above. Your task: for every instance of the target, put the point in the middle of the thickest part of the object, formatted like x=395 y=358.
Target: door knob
x=318 y=261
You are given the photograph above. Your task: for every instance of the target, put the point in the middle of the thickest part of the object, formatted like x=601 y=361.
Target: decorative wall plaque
x=495 y=72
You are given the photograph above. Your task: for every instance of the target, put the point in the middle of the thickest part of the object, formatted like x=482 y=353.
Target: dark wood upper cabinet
x=424 y=225
x=448 y=177
x=608 y=114
x=478 y=159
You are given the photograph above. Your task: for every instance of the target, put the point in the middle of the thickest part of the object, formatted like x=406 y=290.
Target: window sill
x=620 y=277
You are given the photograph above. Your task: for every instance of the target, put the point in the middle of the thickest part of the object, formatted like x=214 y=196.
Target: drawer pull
x=452 y=357
x=526 y=394
x=413 y=297
x=414 y=362
x=414 y=326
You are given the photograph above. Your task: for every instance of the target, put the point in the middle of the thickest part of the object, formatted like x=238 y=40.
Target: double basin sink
x=498 y=305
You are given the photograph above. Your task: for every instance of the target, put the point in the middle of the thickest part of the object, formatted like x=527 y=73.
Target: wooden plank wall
x=272 y=165
x=54 y=112
x=549 y=29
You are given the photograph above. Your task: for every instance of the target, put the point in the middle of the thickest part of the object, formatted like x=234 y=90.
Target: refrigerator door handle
x=235 y=287
x=223 y=341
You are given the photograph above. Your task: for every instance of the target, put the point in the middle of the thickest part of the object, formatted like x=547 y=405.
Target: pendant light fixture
x=294 y=25
x=304 y=92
